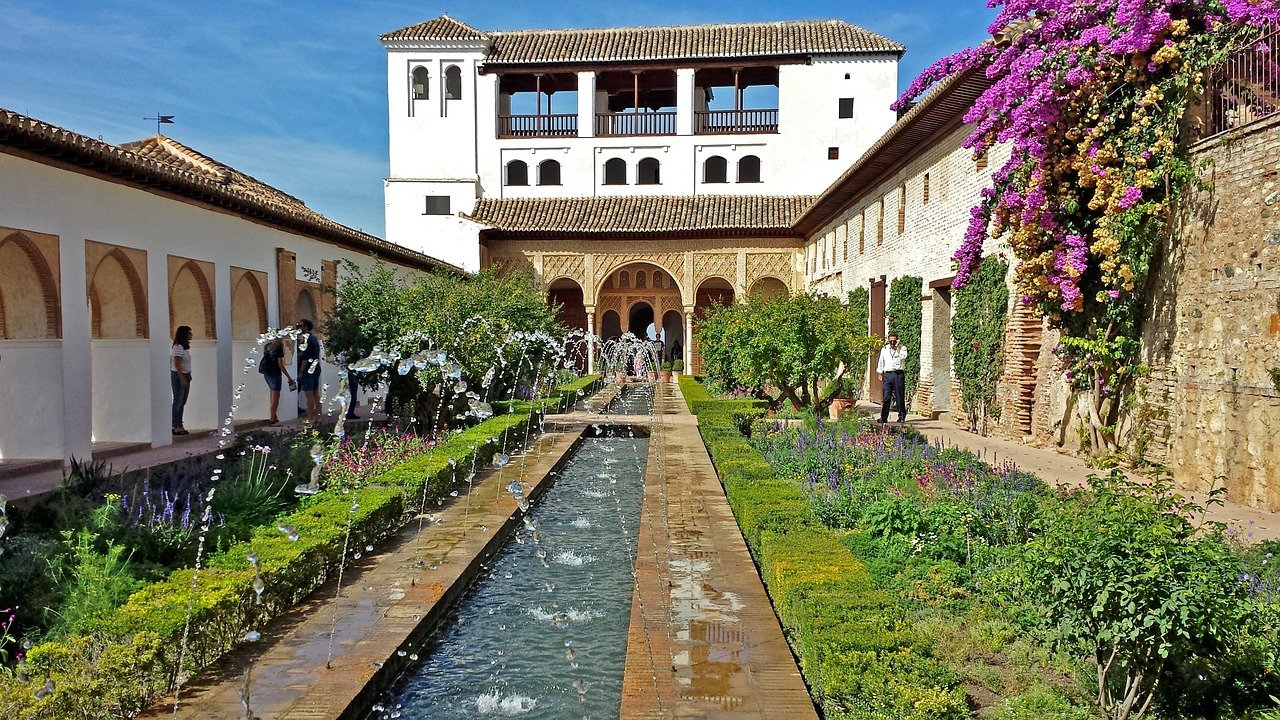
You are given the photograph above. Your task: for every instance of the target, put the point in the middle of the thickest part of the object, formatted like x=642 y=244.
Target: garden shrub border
x=857 y=650
x=132 y=656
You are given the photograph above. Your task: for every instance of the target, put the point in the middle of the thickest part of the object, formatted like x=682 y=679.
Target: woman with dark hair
x=180 y=375
x=274 y=369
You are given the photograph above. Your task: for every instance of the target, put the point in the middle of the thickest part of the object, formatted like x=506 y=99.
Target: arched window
x=615 y=171
x=517 y=172
x=421 y=83
x=715 y=170
x=549 y=172
x=647 y=172
x=453 y=83
x=641 y=279
x=749 y=169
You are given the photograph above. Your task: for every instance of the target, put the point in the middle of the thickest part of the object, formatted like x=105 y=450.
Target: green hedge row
x=857 y=648
x=697 y=398
x=132 y=656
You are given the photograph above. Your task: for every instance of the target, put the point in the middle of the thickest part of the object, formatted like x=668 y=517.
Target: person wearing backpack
x=273 y=367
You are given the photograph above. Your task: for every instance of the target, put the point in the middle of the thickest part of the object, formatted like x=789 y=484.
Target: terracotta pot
x=840 y=407
x=665 y=376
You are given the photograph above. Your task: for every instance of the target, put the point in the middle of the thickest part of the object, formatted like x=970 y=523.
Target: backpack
x=267 y=362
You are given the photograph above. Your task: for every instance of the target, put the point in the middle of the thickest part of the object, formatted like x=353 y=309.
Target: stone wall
x=1211 y=407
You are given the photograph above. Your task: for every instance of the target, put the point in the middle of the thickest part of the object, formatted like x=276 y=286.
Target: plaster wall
x=74 y=207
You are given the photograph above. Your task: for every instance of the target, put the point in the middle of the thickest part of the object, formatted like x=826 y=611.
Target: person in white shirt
x=892 y=363
x=180 y=375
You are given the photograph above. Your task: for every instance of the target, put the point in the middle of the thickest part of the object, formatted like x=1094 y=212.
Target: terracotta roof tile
x=771 y=39
x=440 y=28
x=642 y=215
x=165 y=164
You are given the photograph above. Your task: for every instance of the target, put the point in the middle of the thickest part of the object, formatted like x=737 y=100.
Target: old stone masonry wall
x=1211 y=405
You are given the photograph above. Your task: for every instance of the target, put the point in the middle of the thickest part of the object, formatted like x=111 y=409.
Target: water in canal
x=543 y=634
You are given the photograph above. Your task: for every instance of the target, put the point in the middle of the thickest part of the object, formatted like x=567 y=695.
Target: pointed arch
x=248 y=306
x=191 y=299
x=117 y=298
x=29 y=305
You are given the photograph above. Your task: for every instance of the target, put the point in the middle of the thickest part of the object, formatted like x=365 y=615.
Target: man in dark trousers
x=891 y=367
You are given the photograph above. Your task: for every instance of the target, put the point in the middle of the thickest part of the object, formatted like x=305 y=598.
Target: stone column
x=587 y=104
x=684 y=101
x=688 y=339
x=591 y=339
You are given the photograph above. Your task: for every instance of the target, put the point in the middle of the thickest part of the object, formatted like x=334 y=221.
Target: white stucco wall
x=56 y=396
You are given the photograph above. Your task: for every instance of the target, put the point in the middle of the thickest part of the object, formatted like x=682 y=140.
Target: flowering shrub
x=361 y=458
x=1091 y=96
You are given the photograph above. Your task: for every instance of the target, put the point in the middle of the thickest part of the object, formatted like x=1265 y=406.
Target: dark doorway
x=610 y=327
x=641 y=319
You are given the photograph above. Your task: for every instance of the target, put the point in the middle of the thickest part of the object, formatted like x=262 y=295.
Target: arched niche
x=117 y=292
x=767 y=288
x=712 y=291
x=248 y=304
x=305 y=307
x=568 y=295
x=639 y=318
x=29 y=304
x=610 y=325
x=191 y=297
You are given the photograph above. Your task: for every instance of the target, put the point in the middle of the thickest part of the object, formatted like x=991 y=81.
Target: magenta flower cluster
x=1043 y=54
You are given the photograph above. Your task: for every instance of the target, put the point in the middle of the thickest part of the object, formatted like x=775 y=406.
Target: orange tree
x=795 y=348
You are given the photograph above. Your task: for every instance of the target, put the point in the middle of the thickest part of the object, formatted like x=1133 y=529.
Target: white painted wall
x=123 y=391
x=31 y=399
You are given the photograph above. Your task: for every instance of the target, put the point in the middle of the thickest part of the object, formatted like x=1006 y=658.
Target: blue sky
x=293 y=91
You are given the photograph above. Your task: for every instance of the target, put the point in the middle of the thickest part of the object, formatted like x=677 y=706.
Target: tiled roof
x=164 y=164
x=170 y=152
x=642 y=215
x=770 y=39
x=441 y=28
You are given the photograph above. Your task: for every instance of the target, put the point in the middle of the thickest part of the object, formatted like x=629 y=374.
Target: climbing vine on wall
x=977 y=333
x=1091 y=98
x=859 y=307
x=905 y=316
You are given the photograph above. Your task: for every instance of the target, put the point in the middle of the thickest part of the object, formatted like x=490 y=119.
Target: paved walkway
x=1066 y=471
x=704 y=641
x=388 y=604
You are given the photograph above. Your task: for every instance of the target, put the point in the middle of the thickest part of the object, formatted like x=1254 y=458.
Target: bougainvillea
x=1091 y=98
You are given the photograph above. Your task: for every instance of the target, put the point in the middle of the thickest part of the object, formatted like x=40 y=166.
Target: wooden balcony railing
x=716 y=122
x=1246 y=87
x=645 y=123
x=522 y=126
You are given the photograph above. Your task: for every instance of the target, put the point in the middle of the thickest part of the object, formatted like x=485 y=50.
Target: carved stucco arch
x=670 y=263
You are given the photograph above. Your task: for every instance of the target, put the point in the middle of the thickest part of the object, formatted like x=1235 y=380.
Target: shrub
x=904 y=311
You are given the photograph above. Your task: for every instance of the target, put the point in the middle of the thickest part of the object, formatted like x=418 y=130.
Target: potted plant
x=665 y=376
x=677 y=367
x=844 y=397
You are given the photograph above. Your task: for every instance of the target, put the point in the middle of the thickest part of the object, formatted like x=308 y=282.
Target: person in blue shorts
x=309 y=368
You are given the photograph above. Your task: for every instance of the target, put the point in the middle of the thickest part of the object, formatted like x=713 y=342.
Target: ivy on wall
x=904 y=319
x=859 y=306
x=977 y=333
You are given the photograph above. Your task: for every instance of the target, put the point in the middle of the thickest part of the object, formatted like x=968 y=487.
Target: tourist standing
x=309 y=368
x=274 y=369
x=180 y=376
x=891 y=367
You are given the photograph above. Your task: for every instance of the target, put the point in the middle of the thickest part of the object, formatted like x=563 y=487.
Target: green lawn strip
x=133 y=655
x=857 y=646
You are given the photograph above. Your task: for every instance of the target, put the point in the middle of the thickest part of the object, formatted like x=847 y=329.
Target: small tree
x=798 y=348
x=977 y=336
x=1125 y=574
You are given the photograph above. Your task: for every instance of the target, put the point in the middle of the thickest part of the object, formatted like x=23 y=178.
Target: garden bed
x=135 y=653
x=920 y=583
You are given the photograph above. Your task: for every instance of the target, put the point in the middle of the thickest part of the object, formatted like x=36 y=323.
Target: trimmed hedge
x=131 y=657
x=857 y=649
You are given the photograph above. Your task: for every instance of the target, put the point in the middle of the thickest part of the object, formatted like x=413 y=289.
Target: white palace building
x=754 y=109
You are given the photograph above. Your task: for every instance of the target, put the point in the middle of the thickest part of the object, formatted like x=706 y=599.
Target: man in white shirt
x=892 y=363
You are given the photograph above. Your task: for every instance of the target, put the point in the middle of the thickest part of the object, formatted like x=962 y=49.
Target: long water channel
x=543 y=632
